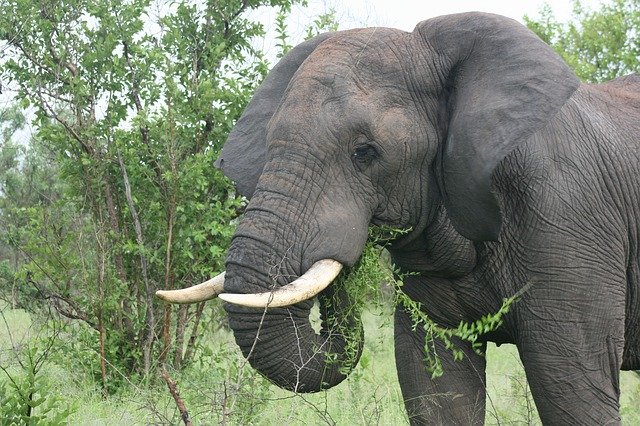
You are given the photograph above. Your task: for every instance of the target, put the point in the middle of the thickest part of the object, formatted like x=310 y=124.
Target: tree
x=599 y=45
x=27 y=179
x=133 y=100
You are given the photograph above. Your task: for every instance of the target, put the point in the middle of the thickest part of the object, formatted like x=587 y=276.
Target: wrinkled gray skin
x=512 y=175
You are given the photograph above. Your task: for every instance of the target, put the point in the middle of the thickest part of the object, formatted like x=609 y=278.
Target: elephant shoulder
x=629 y=82
x=626 y=88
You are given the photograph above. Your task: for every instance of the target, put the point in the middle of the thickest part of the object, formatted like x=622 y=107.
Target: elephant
x=512 y=175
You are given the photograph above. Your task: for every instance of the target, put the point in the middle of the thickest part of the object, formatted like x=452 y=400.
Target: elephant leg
x=571 y=325
x=574 y=384
x=457 y=397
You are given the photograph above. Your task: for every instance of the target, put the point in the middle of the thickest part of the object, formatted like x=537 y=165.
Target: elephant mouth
x=307 y=286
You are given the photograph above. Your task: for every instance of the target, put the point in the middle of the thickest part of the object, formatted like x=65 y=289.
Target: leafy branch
x=362 y=285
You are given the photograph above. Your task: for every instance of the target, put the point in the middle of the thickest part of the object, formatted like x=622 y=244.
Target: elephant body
x=572 y=214
x=515 y=178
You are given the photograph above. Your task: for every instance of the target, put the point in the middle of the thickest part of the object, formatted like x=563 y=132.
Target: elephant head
x=370 y=127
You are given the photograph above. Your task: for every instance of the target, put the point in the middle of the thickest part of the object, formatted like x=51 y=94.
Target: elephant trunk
x=281 y=342
x=289 y=225
x=283 y=346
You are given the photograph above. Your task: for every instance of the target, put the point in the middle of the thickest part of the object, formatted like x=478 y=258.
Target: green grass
x=222 y=388
x=510 y=399
x=15 y=325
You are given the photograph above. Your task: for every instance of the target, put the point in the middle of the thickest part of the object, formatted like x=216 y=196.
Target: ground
x=221 y=388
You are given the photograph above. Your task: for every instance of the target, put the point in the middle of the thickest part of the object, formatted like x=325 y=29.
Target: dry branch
x=173 y=389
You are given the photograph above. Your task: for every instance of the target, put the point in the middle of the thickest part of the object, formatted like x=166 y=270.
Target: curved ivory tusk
x=198 y=293
x=316 y=279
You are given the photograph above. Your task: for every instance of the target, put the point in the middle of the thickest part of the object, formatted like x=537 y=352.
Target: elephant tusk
x=316 y=279
x=198 y=293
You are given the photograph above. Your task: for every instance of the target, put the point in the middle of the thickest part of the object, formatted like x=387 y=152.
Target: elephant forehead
x=344 y=88
x=317 y=107
x=313 y=121
x=335 y=89
x=371 y=55
x=340 y=111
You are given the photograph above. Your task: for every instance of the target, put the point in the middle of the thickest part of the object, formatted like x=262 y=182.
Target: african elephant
x=512 y=176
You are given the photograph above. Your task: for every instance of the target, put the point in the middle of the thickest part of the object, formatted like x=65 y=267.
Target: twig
x=103 y=367
x=194 y=334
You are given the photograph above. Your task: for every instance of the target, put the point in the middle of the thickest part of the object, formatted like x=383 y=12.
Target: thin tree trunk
x=181 y=323
x=101 y=329
x=166 y=338
x=168 y=284
x=188 y=355
x=103 y=364
x=151 y=322
x=119 y=261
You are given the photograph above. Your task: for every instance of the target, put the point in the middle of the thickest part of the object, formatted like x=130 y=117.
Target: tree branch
x=173 y=389
x=227 y=22
x=63 y=305
x=52 y=114
x=144 y=129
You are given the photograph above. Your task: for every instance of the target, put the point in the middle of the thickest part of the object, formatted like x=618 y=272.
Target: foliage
x=354 y=290
x=467 y=332
x=116 y=195
x=282 y=37
x=370 y=395
x=28 y=398
x=324 y=22
x=599 y=45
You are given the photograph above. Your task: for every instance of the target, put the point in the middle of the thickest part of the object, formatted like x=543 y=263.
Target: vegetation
x=114 y=196
x=221 y=389
x=598 y=44
x=131 y=106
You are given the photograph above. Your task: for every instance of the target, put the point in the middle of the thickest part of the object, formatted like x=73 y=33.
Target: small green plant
x=326 y=22
x=27 y=397
x=231 y=392
x=282 y=37
x=362 y=287
x=26 y=394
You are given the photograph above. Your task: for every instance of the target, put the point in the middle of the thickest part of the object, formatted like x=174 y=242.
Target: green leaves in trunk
x=374 y=283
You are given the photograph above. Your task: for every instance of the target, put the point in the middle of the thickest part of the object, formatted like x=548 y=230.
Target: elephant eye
x=363 y=155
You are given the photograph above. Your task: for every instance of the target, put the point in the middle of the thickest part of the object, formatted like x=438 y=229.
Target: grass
x=221 y=388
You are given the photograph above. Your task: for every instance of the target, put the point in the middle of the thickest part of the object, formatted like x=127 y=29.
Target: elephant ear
x=244 y=153
x=502 y=84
